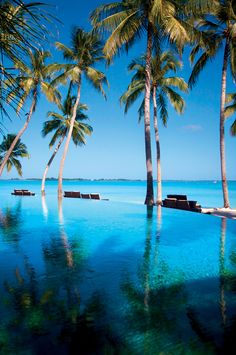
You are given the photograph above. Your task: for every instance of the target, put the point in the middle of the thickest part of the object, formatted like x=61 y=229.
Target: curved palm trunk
x=158 y=149
x=68 y=142
x=222 y=127
x=149 y=194
x=20 y=133
x=48 y=165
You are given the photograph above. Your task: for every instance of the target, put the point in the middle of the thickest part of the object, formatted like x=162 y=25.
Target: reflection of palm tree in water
x=10 y=222
x=222 y=271
x=64 y=238
x=44 y=207
x=158 y=235
x=147 y=256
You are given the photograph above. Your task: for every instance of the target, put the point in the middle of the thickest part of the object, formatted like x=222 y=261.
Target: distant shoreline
x=116 y=180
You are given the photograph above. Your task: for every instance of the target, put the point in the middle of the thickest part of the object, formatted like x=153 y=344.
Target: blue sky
x=189 y=145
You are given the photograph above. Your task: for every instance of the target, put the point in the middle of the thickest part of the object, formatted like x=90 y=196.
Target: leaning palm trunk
x=159 y=188
x=48 y=165
x=149 y=194
x=18 y=136
x=68 y=142
x=222 y=126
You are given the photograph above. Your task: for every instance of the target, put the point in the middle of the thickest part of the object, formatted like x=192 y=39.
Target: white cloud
x=193 y=128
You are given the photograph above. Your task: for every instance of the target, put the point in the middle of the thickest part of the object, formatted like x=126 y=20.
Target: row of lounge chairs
x=72 y=194
x=181 y=202
x=77 y=194
x=23 y=193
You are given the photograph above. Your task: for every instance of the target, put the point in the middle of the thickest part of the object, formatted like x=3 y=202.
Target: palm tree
x=22 y=26
x=127 y=21
x=85 y=52
x=19 y=151
x=219 y=27
x=31 y=80
x=60 y=124
x=162 y=89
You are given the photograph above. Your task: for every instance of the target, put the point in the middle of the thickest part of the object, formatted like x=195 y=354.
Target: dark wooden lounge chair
x=178 y=197
x=170 y=202
x=23 y=193
x=86 y=196
x=181 y=202
x=73 y=194
x=182 y=205
x=95 y=196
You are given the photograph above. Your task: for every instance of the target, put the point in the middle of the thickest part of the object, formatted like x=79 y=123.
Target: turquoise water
x=207 y=193
x=107 y=277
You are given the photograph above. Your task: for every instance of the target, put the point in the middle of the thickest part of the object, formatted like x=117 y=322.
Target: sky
x=189 y=144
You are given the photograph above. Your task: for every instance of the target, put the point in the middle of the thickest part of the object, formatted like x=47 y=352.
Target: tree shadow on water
x=182 y=316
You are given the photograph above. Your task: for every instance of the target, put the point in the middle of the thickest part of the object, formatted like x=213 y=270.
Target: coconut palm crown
x=33 y=79
x=59 y=124
x=19 y=151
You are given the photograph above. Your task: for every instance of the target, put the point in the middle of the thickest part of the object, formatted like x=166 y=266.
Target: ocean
x=207 y=193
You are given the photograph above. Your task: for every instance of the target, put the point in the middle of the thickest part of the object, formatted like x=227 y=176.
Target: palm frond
x=233 y=129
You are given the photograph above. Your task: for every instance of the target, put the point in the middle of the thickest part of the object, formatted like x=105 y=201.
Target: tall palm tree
x=19 y=151
x=219 y=27
x=127 y=21
x=162 y=89
x=31 y=80
x=60 y=125
x=84 y=53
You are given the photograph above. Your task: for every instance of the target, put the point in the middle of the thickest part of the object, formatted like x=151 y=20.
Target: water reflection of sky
x=117 y=270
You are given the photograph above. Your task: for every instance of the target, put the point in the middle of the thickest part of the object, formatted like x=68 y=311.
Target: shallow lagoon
x=114 y=277
x=207 y=193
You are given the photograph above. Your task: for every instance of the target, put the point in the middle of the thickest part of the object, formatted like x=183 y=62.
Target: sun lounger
x=182 y=205
x=23 y=193
x=95 y=196
x=77 y=194
x=178 y=197
x=181 y=202
x=170 y=202
x=86 y=196
x=73 y=194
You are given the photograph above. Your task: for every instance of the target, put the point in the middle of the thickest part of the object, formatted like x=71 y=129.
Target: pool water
x=102 y=277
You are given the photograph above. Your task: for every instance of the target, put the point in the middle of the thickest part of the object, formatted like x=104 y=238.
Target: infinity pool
x=99 y=277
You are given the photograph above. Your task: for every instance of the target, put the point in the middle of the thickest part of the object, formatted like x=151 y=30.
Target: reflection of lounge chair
x=181 y=202
x=86 y=196
x=95 y=196
x=73 y=194
x=23 y=193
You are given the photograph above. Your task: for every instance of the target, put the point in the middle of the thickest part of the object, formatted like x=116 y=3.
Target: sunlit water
x=207 y=193
x=106 y=277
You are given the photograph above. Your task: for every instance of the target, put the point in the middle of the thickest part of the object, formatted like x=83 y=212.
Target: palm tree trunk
x=48 y=165
x=222 y=126
x=20 y=133
x=149 y=194
x=158 y=149
x=68 y=142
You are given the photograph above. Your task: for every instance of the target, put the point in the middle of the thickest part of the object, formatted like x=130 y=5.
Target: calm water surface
x=104 y=277
x=207 y=193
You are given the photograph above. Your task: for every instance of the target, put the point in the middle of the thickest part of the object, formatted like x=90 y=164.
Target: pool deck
x=220 y=212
